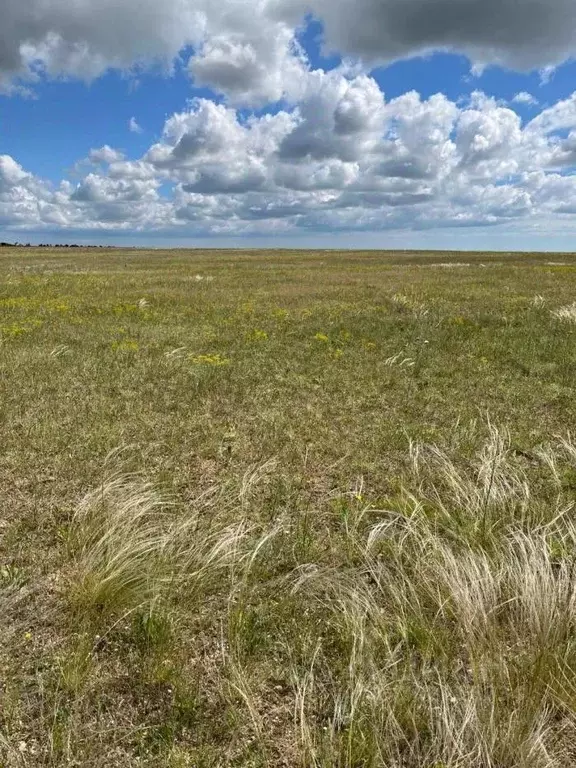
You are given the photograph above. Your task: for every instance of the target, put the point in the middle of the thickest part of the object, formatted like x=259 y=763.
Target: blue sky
x=260 y=124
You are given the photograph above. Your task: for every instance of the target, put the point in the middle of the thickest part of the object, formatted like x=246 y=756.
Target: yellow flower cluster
x=28 y=304
x=257 y=335
x=12 y=330
x=336 y=352
x=21 y=302
x=125 y=346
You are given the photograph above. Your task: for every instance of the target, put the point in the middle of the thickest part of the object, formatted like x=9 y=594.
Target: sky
x=445 y=124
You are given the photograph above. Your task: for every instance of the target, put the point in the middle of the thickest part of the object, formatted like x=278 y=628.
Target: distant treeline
x=49 y=245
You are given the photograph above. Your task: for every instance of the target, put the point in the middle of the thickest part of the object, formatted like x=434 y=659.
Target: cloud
x=558 y=117
x=248 y=49
x=134 y=127
x=521 y=34
x=343 y=158
x=101 y=189
x=239 y=48
x=249 y=61
x=105 y=154
x=86 y=37
x=209 y=141
x=22 y=196
x=525 y=98
x=336 y=118
x=219 y=180
x=11 y=174
x=489 y=140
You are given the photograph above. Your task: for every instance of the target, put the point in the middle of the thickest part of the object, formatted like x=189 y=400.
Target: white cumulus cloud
x=134 y=126
x=523 y=97
x=343 y=158
x=248 y=49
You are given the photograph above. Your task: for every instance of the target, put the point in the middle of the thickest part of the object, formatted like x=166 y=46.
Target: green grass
x=287 y=509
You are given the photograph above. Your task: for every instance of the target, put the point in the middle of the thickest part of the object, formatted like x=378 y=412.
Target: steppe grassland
x=287 y=509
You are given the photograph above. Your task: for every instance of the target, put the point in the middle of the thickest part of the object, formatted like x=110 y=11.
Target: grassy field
x=287 y=509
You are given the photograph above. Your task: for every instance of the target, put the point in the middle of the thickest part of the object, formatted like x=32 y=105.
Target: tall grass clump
x=449 y=637
x=120 y=544
x=567 y=313
x=134 y=552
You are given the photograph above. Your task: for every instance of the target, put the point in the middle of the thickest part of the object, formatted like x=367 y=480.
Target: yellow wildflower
x=18 y=303
x=125 y=346
x=13 y=330
x=258 y=335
